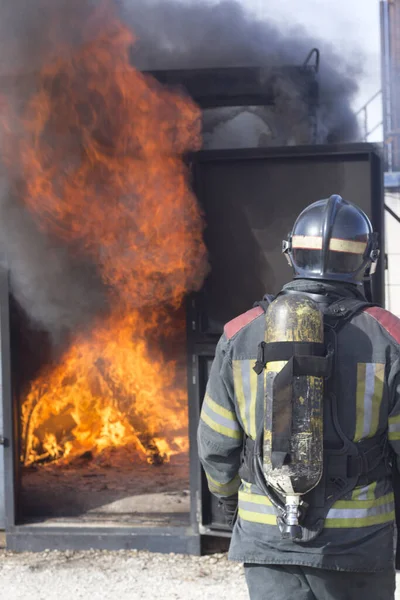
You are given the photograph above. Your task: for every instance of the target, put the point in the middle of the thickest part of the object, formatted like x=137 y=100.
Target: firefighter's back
x=346 y=549
x=364 y=408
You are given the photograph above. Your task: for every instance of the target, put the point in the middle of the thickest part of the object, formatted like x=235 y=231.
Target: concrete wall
x=392 y=199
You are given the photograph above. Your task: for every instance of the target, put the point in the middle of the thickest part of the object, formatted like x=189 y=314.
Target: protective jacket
x=358 y=532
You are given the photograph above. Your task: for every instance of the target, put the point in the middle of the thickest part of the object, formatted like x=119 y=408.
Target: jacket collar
x=325 y=291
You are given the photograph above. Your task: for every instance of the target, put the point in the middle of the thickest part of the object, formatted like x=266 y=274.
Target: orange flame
x=100 y=146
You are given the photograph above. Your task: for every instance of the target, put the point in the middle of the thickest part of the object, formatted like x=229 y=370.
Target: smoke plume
x=56 y=289
x=175 y=35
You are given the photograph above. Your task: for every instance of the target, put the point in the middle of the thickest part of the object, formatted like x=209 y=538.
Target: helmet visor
x=307 y=253
x=346 y=256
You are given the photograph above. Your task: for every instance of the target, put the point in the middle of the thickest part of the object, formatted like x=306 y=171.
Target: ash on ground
x=116 y=488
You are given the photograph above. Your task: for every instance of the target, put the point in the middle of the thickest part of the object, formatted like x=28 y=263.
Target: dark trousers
x=281 y=582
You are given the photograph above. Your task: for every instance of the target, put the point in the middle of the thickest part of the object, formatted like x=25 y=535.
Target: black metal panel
x=239 y=86
x=194 y=415
x=36 y=539
x=251 y=199
x=41 y=536
x=3 y=441
x=9 y=422
x=26 y=539
x=377 y=214
x=201 y=351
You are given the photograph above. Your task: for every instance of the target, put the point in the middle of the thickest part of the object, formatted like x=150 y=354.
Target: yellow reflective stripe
x=377 y=397
x=220 y=410
x=356 y=493
x=361 y=513
x=232 y=433
x=231 y=487
x=361 y=371
x=394 y=428
x=255 y=517
x=369 y=394
x=220 y=419
x=363 y=522
x=255 y=507
x=366 y=492
x=246 y=487
x=340 y=245
x=255 y=498
x=371 y=490
x=309 y=242
x=349 y=523
x=374 y=502
x=352 y=521
x=253 y=390
x=239 y=392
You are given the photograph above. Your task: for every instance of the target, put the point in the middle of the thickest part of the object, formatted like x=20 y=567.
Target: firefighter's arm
x=394 y=415
x=219 y=432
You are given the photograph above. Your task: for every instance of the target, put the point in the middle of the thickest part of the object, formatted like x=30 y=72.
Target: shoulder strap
x=343 y=310
x=265 y=302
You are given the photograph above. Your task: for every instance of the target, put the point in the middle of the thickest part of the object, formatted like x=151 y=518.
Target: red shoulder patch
x=241 y=321
x=388 y=321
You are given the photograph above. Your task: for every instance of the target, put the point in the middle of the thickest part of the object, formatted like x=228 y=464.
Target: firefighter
x=300 y=424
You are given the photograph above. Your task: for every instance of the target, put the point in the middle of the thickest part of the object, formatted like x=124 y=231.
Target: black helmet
x=332 y=239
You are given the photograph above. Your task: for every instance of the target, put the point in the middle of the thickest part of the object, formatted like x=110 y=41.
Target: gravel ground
x=124 y=575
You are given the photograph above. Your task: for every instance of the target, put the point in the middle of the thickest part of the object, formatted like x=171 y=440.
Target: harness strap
x=265 y=302
x=309 y=357
x=358 y=463
x=368 y=463
x=341 y=311
x=282 y=407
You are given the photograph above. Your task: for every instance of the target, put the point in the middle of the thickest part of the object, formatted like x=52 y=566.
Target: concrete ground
x=123 y=575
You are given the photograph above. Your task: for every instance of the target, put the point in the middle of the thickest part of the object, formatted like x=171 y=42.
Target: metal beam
x=28 y=538
x=239 y=86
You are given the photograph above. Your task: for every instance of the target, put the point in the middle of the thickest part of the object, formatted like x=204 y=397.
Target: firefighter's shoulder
x=387 y=320
x=240 y=322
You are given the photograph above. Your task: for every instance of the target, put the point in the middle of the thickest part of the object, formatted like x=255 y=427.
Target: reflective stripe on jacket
x=368 y=394
x=354 y=512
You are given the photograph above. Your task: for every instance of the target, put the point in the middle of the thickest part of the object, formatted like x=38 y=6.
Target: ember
x=99 y=149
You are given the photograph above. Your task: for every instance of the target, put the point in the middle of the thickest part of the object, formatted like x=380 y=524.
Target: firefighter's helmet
x=332 y=239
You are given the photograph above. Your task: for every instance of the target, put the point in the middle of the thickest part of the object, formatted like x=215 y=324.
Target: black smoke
x=56 y=290
x=174 y=35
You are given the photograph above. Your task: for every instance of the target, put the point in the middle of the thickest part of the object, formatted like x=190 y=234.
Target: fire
x=99 y=149
x=106 y=391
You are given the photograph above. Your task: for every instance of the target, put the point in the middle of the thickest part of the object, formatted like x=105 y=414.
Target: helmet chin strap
x=371 y=268
x=374 y=255
x=367 y=280
x=368 y=288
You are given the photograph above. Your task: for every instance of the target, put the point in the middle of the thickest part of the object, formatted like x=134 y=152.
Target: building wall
x=390 y=46
x=392 y=199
